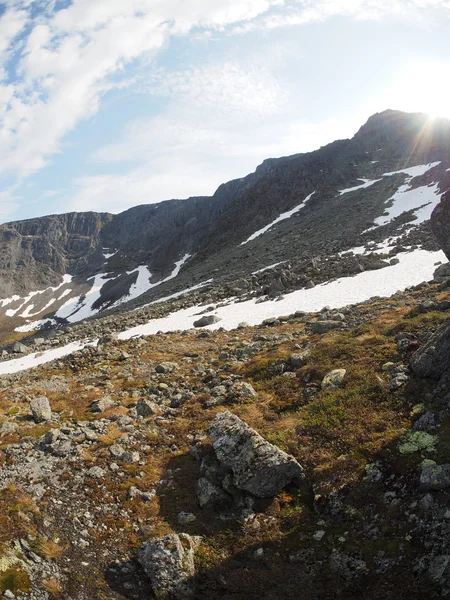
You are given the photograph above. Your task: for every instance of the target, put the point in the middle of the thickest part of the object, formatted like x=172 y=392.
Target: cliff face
x=35 y=253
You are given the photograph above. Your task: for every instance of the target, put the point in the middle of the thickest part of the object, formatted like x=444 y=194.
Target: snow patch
x=424 y=198
x=413 y=268
x=282 y=217
x=268 y=267
x=366 y=183
x=414 y=171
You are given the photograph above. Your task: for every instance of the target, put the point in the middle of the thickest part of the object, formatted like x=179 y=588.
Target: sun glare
x=422 y=87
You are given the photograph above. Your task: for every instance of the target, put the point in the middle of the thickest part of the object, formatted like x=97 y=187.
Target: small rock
x=96 y=472
x=41 y=410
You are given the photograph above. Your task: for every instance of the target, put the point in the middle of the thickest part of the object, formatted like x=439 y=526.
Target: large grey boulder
x=442 y=273
x=169 y=563
x=40 y=409
x=207 y=320
x=433 y=358
x=258 y=466
x=20 y=348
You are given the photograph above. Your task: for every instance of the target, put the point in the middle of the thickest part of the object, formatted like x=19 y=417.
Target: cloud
x=70 y=58
x=303 y=12
x=193 y=156
x=9 y=202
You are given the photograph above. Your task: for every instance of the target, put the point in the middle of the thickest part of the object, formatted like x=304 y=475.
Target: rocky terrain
x=305 y=456
x=132 y=464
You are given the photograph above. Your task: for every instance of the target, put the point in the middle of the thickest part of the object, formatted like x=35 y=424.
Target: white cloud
x=66 y=60
x=71 y=55
x=302 y=12
x=8 y=203
x=183 y=156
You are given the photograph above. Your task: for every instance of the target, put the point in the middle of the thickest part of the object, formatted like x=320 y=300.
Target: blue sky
x=106 y=104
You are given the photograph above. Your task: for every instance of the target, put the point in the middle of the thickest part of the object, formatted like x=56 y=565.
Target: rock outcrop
x=258 y=466
x=433 y=358
x=440 y=223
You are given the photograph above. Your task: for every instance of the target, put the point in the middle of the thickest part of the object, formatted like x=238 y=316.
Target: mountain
x=243 y=397
x=70 y=267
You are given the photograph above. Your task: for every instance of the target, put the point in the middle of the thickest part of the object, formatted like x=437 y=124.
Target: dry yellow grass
x=49 y=549
x=52 y=586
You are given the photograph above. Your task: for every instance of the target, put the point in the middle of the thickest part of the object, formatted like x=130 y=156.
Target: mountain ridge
x=184 y=242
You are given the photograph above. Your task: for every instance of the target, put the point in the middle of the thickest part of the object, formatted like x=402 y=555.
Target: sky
x=107 y=104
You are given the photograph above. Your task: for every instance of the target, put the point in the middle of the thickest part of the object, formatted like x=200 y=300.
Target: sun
x=422 y=86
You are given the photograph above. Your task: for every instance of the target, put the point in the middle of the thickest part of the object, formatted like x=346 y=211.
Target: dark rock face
x=433 y=358
x=36 y=253
x=440 y=223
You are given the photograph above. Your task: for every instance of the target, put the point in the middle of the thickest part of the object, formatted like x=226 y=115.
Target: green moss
x=417 y=441
x=15 y=581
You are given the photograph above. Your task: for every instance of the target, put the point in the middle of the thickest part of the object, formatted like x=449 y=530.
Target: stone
x=107 y=339
x=433 y=358
x=398 y=381
x=40 y=409
x=333 y=379
x=299 y=360
x=9 y=427
x=439 y=568
x=146 y=408
x=258 y=466
x=168 y=561
x=96 y=472
x=184 y=518
x=212 y=496
x=20 y=348
x=207 y=320
x=426 y=422
x=325 y=326
x=442 y=273
x=166 y=367
x=435 y=477
x=243 y=391
x=102 y=404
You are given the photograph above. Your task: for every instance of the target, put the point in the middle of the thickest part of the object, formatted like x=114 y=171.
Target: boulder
x=166 y=367
x=147 y=408
x=207 y=320
x=433 y=358
x=169 y=563
x=435 y=477
x=20 y=348
x=258 y=466
x=333 y=379
x=108 y=339
x=102 y=404
x=440 y=223
x=325 y=326
x=40 y=409
x=442 y=273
